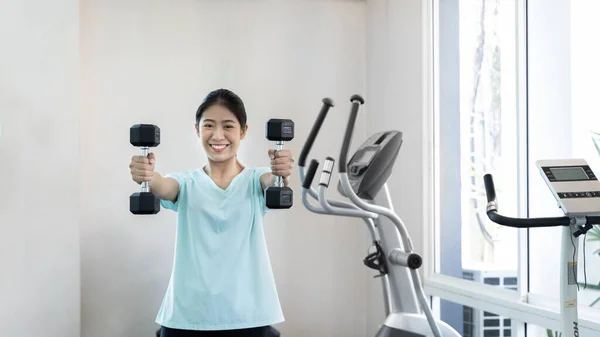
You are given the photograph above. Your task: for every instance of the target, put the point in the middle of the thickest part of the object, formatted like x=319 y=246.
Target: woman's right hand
x=142 y=168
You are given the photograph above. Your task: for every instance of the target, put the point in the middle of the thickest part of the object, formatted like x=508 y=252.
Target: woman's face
x=220 y=132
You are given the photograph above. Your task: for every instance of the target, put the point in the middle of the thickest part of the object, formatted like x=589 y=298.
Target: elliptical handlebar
x=331 y=207
x=310 y=174
x=327 y=104
x=356 y=100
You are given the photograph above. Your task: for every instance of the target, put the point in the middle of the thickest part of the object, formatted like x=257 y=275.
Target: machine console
x=573 y=184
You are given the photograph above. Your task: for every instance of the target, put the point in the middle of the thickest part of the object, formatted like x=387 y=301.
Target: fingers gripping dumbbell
x=144 y=136
x=280 y=131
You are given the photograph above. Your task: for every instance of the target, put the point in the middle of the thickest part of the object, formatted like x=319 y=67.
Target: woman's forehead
x=218 y=113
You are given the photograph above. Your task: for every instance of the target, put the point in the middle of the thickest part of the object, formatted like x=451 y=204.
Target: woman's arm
x=164 y=187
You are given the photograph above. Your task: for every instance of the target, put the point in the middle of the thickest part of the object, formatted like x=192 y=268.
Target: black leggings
x=264 y=331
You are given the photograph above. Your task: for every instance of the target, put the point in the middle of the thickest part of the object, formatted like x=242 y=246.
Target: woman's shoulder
x=186 y=176
x=255 y=173
x=191 y=173
x=259 y=170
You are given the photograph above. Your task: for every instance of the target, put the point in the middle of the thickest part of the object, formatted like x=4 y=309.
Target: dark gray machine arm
x=306 y=183
x=327 y=104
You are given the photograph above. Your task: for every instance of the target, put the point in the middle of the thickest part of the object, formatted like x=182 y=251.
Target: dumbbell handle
x=278 y=179
x=145 y=186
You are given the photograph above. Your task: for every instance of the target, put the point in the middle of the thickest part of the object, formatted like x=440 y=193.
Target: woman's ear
x=244 y=131
x=197 y=130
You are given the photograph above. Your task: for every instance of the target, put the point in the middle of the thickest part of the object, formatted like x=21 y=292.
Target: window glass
x=471 y=322
x=476 y=134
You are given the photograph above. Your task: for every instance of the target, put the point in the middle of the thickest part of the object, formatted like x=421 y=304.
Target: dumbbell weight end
x=279 y=197
x=144 y=203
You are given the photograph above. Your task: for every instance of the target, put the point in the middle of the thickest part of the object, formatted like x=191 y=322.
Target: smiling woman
x=221 y=278
x=221 y=124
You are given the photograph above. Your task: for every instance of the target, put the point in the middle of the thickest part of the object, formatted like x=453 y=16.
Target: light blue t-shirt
x=221 y=277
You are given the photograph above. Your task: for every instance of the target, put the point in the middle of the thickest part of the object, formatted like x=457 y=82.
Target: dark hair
x=226 y=98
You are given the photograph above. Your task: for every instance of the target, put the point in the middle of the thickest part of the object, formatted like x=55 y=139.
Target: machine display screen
x=569 y=173
x=365 y=157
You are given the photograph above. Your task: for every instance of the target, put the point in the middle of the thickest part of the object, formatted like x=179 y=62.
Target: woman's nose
x=218 y=133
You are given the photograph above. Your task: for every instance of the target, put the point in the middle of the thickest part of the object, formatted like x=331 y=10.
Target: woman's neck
x=224 y=169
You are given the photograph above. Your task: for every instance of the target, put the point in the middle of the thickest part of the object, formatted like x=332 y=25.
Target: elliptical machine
x=363 y=180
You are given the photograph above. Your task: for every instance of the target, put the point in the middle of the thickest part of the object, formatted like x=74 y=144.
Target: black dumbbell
x=279 y=130
x=144 y=136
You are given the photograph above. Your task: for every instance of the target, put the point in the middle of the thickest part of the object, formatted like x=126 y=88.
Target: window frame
x=521 y=305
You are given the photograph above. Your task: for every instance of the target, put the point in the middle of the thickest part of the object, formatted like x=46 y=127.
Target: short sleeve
x=168 y=204
x=260 y=194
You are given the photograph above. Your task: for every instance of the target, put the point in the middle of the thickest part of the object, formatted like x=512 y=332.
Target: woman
x=221 y=283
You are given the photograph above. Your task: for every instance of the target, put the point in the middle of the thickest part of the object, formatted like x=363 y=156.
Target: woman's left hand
x=282 y=163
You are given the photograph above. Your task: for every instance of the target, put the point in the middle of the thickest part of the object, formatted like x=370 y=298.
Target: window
x=477 y=133
x=482 y=323
x=508 y=92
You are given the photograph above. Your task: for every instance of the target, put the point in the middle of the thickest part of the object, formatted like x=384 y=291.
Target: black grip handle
x=310 y=174
x=327 y=104
x=490 y=191
x=356 y=102
x=492 y=213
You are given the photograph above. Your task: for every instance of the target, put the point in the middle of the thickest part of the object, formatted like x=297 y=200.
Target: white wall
x=148 y=61
x=39 y=251
x=152 y=62
x=394 y=101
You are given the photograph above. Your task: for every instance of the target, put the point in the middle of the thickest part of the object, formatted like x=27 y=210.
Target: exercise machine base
x=412 y=325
